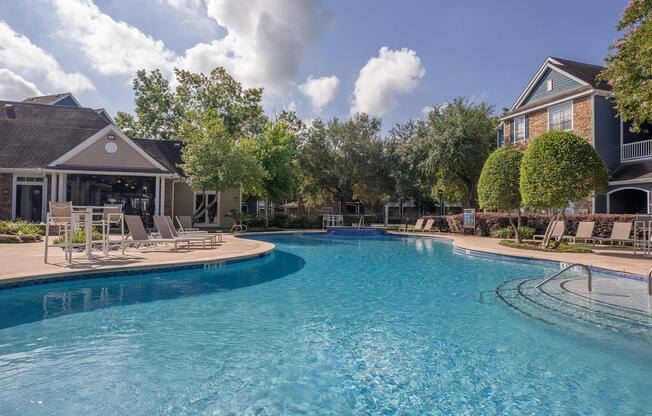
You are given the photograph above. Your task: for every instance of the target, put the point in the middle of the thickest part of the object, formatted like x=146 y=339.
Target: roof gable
x=108 y=148
x=559 y=82
x=64 y=99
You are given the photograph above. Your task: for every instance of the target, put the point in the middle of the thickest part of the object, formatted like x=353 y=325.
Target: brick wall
x=538 y=122
x=506 y=126
x=582 y=120
x=6 y=190
x=168 y=197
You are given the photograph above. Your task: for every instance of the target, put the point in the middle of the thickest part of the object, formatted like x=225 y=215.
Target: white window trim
x=549 y=85
x=516 y=120
x=572 y=111
x=44 y=188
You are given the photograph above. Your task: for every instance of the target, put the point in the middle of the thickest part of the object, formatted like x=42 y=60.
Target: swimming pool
x=325 y=325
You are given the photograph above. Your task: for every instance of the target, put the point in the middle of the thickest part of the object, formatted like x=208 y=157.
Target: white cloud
x=427 y=109
x=384 y=78
x=111 y=47
x=320 y=91
x=13 y=87
x=20 y=56
x=265 y=41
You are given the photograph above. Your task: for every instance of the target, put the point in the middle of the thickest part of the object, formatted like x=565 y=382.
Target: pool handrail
x=570 y=266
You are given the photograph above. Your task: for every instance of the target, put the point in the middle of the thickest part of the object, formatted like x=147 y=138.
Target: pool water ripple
x=325 y=325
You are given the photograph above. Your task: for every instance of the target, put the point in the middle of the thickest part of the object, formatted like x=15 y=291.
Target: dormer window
x=549 y=85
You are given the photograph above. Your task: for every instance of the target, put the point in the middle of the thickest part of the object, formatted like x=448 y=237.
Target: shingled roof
x=50 y=99
x=34 y=135
x=585 y=72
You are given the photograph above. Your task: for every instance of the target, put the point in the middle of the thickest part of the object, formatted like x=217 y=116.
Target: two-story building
x=567 y=95
x=53 y=149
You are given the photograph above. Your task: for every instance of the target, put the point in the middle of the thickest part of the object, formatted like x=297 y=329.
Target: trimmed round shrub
x=499 y=184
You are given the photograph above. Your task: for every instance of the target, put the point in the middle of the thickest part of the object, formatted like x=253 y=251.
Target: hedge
x=488 y=222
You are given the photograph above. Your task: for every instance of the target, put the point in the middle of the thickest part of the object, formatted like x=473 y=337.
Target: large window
x=135 y=193
x=519 y=129
x=560 y=117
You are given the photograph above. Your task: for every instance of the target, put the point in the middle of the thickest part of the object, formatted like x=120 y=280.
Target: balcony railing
x=636 y=150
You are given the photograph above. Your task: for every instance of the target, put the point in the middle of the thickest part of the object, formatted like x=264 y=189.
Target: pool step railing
x=567 y=268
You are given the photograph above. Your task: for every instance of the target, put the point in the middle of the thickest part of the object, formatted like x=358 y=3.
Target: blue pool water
x=325 y=325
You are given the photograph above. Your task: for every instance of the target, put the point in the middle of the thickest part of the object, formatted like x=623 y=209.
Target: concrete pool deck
x=20 y=262
x=615 y=258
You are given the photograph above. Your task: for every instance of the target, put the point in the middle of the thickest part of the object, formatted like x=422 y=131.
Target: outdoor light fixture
x=111 y=137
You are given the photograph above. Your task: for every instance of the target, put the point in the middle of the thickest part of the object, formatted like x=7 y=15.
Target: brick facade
x=538 y=122
x=582 y=118
x=6 y=191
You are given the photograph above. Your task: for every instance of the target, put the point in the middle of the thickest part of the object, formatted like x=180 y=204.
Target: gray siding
x=600 y=204
x=607 y=132
x=560 y=84
x=67 y=102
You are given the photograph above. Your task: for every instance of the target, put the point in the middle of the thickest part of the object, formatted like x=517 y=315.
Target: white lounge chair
x=584 y=232
x=557 y=232
x=166 y=232
x=185 y=223
x=619 y=233
x=428 y=227
x=418 y=226
x=216 y=237
x=139 y=235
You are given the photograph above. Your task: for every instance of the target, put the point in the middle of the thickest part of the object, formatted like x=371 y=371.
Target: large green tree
x=342 y=160
x=499 y=184
x=629 y=68
x=158 y=114
x=457 y=139
x=558 y=168
x=274 y=149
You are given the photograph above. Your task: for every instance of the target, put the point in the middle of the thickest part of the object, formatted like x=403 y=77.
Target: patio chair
x=557 y=232
x=139 y=235
x=112 y=215
x=584 y=232
x=165 y=231
x=428 y=227
x=59 y=215
x=619 y=233
x=418 y=226
x=217 y=237
x=185 y=223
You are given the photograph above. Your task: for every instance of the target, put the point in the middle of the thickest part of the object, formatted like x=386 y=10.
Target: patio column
x=54 y=196
x=162 y=198
x=62 y=187
x=157 y=197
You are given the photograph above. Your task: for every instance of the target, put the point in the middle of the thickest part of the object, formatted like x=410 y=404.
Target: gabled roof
x=167 y=152
x=584 y=74
x=51 y=99
x=32 y=135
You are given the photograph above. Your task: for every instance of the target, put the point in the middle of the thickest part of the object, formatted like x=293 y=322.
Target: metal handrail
x=649 y=283
x=588 y=271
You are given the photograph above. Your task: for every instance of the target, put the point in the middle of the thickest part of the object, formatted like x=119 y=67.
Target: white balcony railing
x=636 y=150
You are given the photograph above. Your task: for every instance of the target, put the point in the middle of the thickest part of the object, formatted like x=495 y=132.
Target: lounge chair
x=417 y=227
x=584 y=232
x=557 y=232
x=428 y=227
x=139 y=235
x=185 y=223
x=619 y=233
x=166 y=232
x=216 y=237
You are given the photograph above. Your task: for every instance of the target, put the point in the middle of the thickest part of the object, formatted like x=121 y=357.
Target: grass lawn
x=531 y=245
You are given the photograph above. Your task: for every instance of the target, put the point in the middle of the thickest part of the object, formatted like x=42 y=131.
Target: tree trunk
x=553 y=223
x=518 y=225
x=557 y=243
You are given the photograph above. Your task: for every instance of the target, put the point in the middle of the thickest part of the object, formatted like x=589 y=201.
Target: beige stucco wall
x=183 y=199
x=230 y=199
x=95 y=155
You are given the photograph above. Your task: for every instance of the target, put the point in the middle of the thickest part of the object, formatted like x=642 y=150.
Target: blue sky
x=324 y=59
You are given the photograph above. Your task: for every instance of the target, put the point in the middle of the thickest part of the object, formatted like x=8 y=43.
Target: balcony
x=636 y=151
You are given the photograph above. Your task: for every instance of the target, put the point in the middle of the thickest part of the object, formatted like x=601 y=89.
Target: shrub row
x=488 y=222
x=19 y=232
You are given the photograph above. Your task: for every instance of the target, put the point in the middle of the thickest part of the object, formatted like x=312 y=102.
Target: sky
x=323 y=59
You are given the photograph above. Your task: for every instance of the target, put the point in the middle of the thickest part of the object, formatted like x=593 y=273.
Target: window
x=560 y=117
x=549 y=85
x=519 y=128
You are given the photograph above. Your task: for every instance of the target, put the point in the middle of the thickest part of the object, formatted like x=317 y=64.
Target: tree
x=629 y=68
x=499 y=184
x=557 y=168
x=274 y=150
x=457 y=139
x=214 y=159
x=340 y=157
